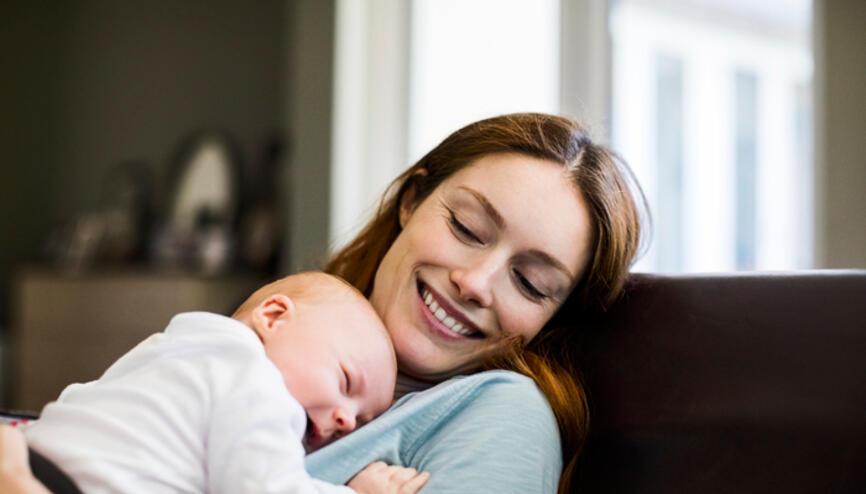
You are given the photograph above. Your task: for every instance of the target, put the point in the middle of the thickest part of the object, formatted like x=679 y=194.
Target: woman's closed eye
x=461 y=230
x=527 y=287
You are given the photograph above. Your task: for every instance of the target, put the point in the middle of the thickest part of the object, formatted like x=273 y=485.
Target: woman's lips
x=439 y=328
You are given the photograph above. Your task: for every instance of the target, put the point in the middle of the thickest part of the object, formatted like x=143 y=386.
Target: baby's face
x=338 y=362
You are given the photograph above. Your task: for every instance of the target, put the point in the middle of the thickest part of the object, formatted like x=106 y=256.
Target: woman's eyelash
x=529 y=287
x=461 y=228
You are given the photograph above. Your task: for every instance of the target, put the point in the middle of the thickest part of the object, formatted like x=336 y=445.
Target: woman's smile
x=444 y=318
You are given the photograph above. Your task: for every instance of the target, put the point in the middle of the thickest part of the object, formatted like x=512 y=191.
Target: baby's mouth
x=312 y=437
x=451 y=320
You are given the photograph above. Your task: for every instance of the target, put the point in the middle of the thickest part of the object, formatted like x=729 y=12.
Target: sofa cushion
x=728 y=383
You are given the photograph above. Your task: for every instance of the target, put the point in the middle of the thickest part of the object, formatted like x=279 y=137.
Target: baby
x=203 y=406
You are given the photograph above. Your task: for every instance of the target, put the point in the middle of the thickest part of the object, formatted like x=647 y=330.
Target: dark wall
x=30 y=46
x=88 y=84
x=841 y=123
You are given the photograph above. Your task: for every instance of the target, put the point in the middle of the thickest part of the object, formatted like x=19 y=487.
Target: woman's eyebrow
x=491 y=211
x=500 y=222
x=552 y=261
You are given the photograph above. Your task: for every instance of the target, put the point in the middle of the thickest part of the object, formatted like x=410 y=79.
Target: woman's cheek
x=523 y=320
x=434 y=244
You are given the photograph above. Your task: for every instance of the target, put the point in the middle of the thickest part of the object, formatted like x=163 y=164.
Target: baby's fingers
x=376 y=466
x=400 y=475
x=415 y=483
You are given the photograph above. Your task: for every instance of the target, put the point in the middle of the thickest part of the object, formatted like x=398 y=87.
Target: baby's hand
x=380 y=478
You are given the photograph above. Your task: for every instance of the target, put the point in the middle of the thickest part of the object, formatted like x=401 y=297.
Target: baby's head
x=331 y=347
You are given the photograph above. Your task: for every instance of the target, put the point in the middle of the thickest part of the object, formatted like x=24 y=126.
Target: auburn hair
x=616 y=209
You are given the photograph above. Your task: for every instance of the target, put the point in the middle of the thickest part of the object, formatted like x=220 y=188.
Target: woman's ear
x=272 y=310
x=409 y=198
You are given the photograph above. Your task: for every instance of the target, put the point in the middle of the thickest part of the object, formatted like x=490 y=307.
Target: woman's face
x=492 y=252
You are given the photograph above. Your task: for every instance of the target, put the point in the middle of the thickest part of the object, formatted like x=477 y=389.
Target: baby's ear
x=266 y=316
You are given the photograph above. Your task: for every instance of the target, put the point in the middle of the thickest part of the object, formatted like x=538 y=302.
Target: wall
x=30 y=43
x=840 y=153
x=91 y=83
x=309 y=51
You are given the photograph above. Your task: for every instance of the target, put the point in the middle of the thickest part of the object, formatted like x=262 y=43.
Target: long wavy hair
x=617 y=210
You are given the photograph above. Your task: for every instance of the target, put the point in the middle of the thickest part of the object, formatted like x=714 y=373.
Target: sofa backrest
x=729 y=383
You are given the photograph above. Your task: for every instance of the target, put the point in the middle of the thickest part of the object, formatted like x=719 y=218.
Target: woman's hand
x=380 y=478
x=15 y=474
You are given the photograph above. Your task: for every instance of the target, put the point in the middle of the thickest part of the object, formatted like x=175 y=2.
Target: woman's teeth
x=448 y=321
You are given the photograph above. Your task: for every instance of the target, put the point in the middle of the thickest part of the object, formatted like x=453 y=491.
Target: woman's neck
x=407 y=384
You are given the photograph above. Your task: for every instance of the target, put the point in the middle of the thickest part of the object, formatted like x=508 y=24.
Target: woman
x=479 y=256
x=507 y=226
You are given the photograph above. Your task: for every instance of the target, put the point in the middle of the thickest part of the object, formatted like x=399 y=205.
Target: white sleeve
x=254 y=439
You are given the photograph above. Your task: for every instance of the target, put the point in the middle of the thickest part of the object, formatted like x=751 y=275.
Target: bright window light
x=711 y=108
x=472 y=59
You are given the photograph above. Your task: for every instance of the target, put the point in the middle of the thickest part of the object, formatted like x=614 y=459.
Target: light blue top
x=489 y=432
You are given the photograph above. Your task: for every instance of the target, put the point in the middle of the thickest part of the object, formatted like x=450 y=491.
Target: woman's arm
x=489 y=432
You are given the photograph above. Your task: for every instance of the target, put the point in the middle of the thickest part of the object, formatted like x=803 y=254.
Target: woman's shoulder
x=496 y=422
x=496 y=401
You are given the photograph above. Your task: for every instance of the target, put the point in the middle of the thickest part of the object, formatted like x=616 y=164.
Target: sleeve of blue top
x=489 y=432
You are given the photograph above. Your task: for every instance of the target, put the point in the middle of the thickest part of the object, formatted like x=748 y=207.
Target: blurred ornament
x=204 y=186
x=115 y=233
x=126 y=206
x=261 y=225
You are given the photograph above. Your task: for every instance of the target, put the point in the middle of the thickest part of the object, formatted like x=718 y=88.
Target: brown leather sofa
x=741 y=383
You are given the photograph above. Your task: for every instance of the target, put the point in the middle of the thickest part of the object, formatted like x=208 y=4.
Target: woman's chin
x=423 y=356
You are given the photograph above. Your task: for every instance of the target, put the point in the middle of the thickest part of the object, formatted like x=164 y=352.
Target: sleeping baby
x=218 y=404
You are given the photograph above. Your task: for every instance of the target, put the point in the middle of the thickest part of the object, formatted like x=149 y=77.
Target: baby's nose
x=345 y=421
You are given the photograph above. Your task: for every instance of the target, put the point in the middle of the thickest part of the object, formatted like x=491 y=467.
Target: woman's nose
x=475 y=281
x=344 y=421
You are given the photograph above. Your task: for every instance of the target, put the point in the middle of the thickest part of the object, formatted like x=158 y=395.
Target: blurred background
x=164 y=156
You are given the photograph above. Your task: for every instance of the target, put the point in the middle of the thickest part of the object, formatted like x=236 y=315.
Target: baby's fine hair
x=312 y=286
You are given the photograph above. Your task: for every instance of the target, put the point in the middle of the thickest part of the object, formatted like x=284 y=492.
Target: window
x=745 y=163
x=409 y=73
x=709 y=101
x=710 y=108
x=669 y=162
x=472 y=59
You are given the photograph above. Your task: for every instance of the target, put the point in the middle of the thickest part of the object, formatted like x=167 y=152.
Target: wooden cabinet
x=71 y=328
